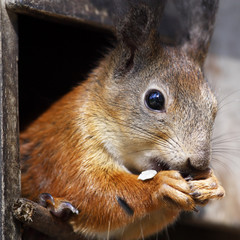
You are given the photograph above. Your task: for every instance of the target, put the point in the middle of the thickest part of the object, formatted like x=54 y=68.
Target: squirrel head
x=158 y=108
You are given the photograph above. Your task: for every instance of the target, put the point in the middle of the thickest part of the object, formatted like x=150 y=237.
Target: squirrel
x=147 y=106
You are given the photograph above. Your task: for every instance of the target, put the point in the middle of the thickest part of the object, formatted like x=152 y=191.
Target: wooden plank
x=35 y=216
x=9 y=163
x=93 y=12
x=98 y=13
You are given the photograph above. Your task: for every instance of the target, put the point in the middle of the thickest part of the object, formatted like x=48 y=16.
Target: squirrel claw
x=46 y=199
x=58 y=208
x=64 y=211
x=205 y=189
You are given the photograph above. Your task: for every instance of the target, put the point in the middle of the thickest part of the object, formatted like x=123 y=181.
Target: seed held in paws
x=146 y=175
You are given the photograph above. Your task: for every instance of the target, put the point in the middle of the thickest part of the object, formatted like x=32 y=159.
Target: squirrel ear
x=135 y=20
x=199 y=19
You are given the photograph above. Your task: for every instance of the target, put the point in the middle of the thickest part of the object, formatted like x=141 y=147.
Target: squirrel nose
x=199 y=161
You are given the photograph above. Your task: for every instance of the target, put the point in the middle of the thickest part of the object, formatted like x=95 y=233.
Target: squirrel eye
x=155 y=100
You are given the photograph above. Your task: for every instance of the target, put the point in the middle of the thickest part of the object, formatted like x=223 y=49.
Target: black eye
x=155 y=100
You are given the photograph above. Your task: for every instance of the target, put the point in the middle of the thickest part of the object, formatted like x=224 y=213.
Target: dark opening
x=53 y=58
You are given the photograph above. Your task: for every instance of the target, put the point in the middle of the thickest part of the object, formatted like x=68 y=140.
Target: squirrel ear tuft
x=199 y=18
x=136 y=20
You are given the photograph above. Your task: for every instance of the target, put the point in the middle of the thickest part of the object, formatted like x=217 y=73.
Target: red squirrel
x=147 y=106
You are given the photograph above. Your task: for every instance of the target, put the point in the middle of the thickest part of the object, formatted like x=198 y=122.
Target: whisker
x=226 y=148
x=166 y=233
x=224 y=112
x=223 y=165
x=152 y=134
x=147 y=135
x=143 y=150
x=227 y=103
x=228 y=135
x=220 y=141
x=142 y=235
x=228 y=95
x=173 y=139
x=108 y=232
x=226 y=158
x=225 y=142
x=227 y=154
x=140 y=132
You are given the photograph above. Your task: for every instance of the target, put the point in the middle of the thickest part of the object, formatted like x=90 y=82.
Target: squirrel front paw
x=57 y=206
x=205 y=188
x=175 y=191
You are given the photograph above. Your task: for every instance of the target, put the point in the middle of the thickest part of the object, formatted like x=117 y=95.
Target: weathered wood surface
x=95 y=12
x=39 y=218
x=99 y=13
x=178 y=22
x=9 y=164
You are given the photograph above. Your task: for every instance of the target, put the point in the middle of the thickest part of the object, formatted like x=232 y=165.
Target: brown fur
x=80 y=148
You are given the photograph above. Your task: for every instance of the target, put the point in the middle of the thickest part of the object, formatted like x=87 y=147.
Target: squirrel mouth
x=159 y=165
x=188 y=174
x=156 y=164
